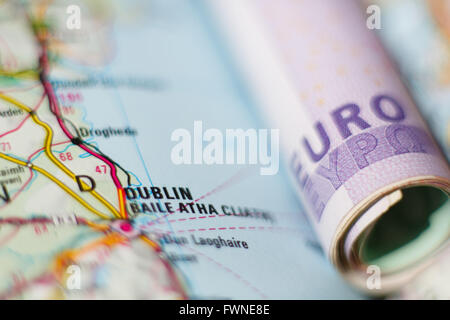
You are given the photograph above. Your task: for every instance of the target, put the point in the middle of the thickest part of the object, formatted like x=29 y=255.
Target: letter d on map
x=83 y=186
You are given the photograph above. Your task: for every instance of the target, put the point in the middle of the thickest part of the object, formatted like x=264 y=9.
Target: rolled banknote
x=374 y=182
x=432 y=284
x=421 y=48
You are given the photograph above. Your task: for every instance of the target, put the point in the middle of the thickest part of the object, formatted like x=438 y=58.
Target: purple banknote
x=370 y=175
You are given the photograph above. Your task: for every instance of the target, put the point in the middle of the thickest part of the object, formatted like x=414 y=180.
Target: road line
x=59 y=183
x=48 y=143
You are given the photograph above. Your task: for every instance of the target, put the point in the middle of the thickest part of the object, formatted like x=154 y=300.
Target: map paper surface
x=98 y=106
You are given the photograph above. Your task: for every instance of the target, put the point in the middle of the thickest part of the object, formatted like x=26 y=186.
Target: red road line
x=24 y=120
x=9 y=52
x=233 y=179
x=48 y=90
x=10 y=236
x=39 y=150
x=235 y=274
x=54 y=106
x=20 y=287
x=256 y=228
x=20 y=190
x=43 y=61
x=24 y=221
x=14 y=130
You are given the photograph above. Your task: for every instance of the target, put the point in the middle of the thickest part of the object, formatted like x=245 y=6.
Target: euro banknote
x=363 y=160
x=417 y=35
x=431 y=284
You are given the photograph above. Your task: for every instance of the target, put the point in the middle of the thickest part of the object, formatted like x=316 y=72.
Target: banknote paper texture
x=371 y=176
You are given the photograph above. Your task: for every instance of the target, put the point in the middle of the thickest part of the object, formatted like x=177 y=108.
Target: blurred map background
x=152 y=67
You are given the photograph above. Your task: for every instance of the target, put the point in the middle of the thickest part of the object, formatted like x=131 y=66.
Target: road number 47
x=101 y=169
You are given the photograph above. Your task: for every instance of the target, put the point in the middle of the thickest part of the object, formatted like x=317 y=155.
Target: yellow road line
x=25 y=74
x=49 y=153
x=59 y=183
x=122 y=203
x=48 y=143
x=150 y=242
x=69 y=256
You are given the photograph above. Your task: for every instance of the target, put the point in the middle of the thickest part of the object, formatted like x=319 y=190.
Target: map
x=92 y=205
